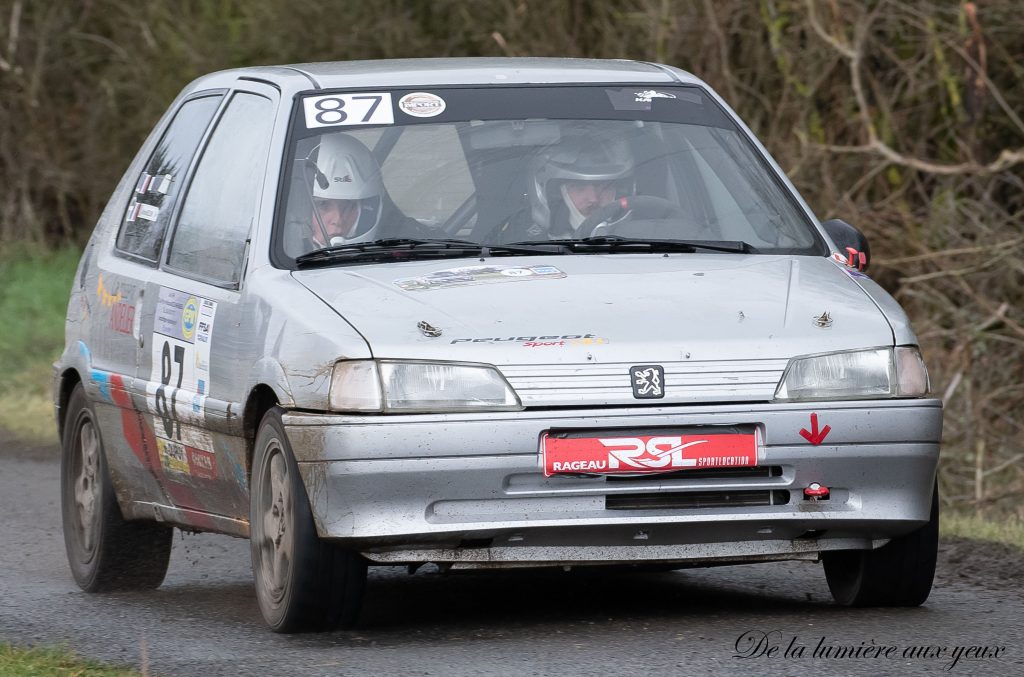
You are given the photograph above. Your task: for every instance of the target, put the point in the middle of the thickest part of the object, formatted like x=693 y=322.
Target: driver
x=349 y=200
x=576 y=177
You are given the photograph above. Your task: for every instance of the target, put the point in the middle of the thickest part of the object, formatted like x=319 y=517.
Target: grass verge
x=1009 y=531
x=34 y=289
x=15 y=662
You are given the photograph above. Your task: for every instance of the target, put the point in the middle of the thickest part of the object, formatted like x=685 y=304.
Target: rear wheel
x=105 y=551
x=302 y=582
x=899 y=573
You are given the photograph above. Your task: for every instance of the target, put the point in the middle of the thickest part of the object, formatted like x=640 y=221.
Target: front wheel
x=105 y=551
x=302 y=582
x=899 y=573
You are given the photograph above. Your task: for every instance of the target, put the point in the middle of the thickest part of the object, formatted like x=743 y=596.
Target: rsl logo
x=648 y=381
x=649 y=453
x=189 y=314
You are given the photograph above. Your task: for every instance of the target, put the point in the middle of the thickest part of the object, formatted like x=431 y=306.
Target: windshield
x=503 y=165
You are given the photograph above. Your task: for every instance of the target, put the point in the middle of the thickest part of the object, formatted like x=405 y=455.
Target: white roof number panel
x=337 y=110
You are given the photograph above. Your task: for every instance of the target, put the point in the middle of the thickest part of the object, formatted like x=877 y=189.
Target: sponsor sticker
x=122 y=317
x=421 y=105
x=139 y=210
x=172 y=455
x=183 y=458
x=202 y=464
x=467 y=275
x=147 y=212
x=538 y=341
x=149 y=182
x=643 y=454
x=189 y=314
x=180 y=357
x=649 y=94
x=630 y=98
x=105 y=296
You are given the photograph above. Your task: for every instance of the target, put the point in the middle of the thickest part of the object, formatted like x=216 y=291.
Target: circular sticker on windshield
x=421 y=105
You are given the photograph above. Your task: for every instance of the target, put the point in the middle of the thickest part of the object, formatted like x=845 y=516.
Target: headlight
x=861 y=374
x=393 y=386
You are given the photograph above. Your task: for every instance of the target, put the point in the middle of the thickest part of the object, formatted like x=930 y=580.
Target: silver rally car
x=483 y=313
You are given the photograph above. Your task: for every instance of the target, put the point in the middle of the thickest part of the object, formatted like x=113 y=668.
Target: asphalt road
x=204 y=619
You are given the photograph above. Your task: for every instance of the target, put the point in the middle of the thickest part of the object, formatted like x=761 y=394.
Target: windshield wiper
x=385 y=249
x=526 y=248
x=617 y=243
x=405 y=247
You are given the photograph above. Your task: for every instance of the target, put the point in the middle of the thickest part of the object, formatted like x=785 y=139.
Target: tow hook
x=816 y=492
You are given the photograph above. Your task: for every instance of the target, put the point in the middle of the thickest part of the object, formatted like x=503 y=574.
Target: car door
x=115 y=288
x=196 y=359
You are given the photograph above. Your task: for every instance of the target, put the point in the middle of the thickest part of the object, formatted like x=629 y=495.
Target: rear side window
x=157 y=188
x=223 y=198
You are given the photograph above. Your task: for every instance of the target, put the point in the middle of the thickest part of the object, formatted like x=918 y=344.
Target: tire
x=899 y=573
x=302 y=583
x=106 y=552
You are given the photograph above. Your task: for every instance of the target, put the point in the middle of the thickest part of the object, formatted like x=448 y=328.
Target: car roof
x=452 y=71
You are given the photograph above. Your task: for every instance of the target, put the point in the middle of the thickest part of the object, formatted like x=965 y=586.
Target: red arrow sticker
x=814 y=436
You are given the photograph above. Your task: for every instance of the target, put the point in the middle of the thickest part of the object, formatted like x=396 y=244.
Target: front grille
x=696 y=499
x=608 y=384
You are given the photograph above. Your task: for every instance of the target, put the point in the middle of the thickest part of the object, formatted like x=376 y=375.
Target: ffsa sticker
x=421 y=104
x=336 y=110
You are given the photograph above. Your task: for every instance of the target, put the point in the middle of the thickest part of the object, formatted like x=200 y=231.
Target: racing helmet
x=576 y=158
x=345 y=169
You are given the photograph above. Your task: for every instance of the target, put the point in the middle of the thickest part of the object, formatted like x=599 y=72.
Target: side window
x=156 y=190
x=223 y=198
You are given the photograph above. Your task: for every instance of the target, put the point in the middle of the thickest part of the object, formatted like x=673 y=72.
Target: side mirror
x=851 y=242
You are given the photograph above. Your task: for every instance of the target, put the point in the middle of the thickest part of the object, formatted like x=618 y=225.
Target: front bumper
x=469 y=488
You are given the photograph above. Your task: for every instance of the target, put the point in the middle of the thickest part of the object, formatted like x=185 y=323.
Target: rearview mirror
x=851 y=243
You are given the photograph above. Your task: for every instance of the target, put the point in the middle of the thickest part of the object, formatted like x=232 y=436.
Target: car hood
x=603 y=308
x=571 y=330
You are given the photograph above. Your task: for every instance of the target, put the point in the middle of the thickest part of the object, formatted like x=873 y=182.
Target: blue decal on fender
x=102 y=379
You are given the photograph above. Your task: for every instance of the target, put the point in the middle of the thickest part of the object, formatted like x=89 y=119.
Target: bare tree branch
x=854 y=54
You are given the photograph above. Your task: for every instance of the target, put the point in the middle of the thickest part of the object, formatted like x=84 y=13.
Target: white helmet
x=345 y=169
x=576 y=158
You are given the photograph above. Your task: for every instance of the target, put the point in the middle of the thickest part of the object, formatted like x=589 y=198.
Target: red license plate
x=615 y=454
